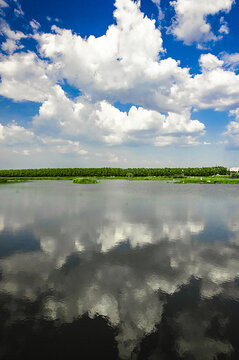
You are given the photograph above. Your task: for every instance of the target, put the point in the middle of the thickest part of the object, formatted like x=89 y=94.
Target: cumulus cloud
x=124 y=65
x=14 y=134
x=121 y=65
x=24 y=77
x=115 y=64
x=215 y=87
x=190 y=23
x=13 y=38
x=118 y=65
x=141 y=124
x=209 y=62
x=75 y=118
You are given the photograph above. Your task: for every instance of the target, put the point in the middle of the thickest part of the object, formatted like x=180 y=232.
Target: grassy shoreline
x=85 y=181
x=185 y=180
x=207 y=180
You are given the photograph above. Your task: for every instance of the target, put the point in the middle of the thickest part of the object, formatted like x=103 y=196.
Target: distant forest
x=117 y=172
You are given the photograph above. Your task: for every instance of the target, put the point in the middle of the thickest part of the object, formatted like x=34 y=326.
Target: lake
x=119 y=270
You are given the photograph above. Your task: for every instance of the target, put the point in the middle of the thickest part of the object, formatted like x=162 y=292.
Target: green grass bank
x=85 y=181
x=226 y=179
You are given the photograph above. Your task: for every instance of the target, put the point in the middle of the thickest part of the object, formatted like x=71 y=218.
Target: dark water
x=119 y=270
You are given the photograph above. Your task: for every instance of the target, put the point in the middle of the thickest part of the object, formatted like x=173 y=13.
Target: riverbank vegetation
x=208 y=180
x=85 y=181
x=11 y=180
x=219 y=179
x=203 y=175
x=114 y=172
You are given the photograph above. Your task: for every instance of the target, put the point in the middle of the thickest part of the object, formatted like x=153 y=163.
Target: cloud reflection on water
x=122 y=250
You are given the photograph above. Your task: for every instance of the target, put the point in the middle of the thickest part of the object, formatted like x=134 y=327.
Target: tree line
x=117 y=172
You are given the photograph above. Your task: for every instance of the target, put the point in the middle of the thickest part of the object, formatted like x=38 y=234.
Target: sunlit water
x=119 y=270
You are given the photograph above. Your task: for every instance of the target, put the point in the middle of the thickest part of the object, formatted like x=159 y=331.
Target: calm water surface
x=119 y=270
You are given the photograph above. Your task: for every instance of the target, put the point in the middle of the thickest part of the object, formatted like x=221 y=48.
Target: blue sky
x=119 y=83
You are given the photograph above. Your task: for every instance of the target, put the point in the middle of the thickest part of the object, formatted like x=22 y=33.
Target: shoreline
x=174 y=180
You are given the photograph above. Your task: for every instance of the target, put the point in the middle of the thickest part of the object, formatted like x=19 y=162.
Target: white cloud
x=24 y=77
x=18 y=10
x=142 y=125
x=232 y=132
x=35 y=25
x=215 y=87
x=160 y=12
x=63 y=117
x=5 y=30
x=190 y=23
x=235 y=113
x=123 y=65
x=3 y=4
x=10 y=46
x=209 y=62
x=120 y=66
x=184 y=140
x=103 y=121
x=62 y=146
x=14 y=134
x=25 y=142
x=22 y=152
x=231 y=60
x=13 y=38
x=233 y=129
x=224 y=29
